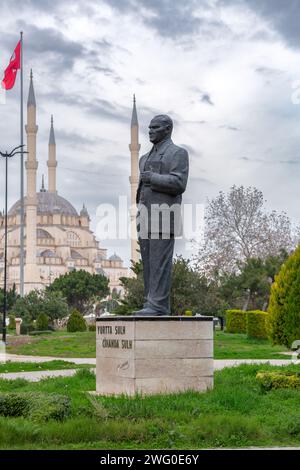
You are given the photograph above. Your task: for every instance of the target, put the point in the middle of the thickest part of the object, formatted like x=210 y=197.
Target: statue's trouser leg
x=144 y=247
x=157 y=255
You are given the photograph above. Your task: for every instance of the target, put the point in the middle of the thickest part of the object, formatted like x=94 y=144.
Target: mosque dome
x=48 y=203
x=115 y=257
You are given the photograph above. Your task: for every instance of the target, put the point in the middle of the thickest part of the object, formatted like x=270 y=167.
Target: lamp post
x=6 y=155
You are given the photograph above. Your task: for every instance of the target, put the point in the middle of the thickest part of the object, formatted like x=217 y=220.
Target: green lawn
x=238 y=346
x=58 y=344
x=236 y=413
x=64 y=344
x=39 y=366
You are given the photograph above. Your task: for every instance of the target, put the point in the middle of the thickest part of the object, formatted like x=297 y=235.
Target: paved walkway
x=76 y=360
x=38 y=375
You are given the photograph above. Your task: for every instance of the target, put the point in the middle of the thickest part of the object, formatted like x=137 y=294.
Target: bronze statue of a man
x=163 y=179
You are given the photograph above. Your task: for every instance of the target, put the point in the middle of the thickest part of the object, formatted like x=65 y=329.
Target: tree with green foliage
x=37 y=302
x=284 y=306
x=81 y=289
x=134 y=291
x=190 y=290
x=76 y=322
x=250 y=287
x=12 y=297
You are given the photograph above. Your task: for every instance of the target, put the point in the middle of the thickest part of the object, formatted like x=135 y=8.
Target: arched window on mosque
x=73 y=239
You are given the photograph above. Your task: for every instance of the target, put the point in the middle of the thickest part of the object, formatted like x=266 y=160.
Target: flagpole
x=22 y=181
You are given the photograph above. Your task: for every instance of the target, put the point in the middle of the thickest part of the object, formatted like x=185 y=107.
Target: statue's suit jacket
x=164 y=193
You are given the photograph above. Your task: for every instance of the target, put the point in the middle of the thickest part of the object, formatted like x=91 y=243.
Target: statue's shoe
x=148 y=312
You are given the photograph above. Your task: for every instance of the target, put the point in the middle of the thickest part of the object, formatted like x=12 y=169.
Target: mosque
x=57 y=238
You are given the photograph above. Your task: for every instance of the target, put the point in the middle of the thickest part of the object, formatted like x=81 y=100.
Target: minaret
x=134 y=147
x=31 y=200
x=52 y=163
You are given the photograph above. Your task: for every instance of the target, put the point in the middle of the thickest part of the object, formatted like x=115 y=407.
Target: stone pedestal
x=18 y=326
x=150 y=355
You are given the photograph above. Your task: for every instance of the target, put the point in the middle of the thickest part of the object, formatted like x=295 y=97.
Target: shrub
x=76 y=322
x=42 y=322
x=26 y=328
x=284 y=305
x=236 y=321
x=188 y=313
x=257 y=324
x=274 y=380
x=92 y=327
x=35 y=406
x=12 y=322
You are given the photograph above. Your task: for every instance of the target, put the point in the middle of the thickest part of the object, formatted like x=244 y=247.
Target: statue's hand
x=146 y=177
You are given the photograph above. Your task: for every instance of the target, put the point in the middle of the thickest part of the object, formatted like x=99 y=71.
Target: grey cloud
x=268 y=71
x=271 y=162
x=283 y=15
x=206 y=98
x=92 y=183
x=290 y=162
x=46 y=41
x=75 y=139
x=169 y=18
x=196 y=122
x=229 y=128
x=106 y=71
x=97 y=106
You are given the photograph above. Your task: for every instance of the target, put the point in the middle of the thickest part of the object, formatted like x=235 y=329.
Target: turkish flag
x=10 y=72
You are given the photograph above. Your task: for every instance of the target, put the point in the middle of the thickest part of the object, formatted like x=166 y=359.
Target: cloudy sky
x=225 y=70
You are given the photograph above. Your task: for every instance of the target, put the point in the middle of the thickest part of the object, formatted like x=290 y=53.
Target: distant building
x=58 y=239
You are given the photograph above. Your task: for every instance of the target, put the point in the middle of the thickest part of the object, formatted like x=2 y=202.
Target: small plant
x=35 y=406
x=42 y=322
x=12 y=322
x=274 y=380
x=76 y=322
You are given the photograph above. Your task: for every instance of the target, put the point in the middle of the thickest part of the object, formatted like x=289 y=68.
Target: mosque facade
x=58 y=238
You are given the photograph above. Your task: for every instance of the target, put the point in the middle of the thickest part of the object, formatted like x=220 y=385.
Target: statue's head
x=160 y=128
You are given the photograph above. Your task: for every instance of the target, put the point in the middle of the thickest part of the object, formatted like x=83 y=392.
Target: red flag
x=10 y=73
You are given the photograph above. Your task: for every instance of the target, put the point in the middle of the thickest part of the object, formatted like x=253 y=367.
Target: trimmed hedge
x=256 y=324
x=251 y=322
x=274 y=380
x=236 y=321
x=35 y=406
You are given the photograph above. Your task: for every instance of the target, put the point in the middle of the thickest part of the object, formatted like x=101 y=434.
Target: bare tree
x=237 y=228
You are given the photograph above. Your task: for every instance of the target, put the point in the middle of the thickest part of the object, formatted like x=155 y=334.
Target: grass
x=64 y=344
x=58 y=344
x=238 y=346
x=39 y=366
x=236 y=413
